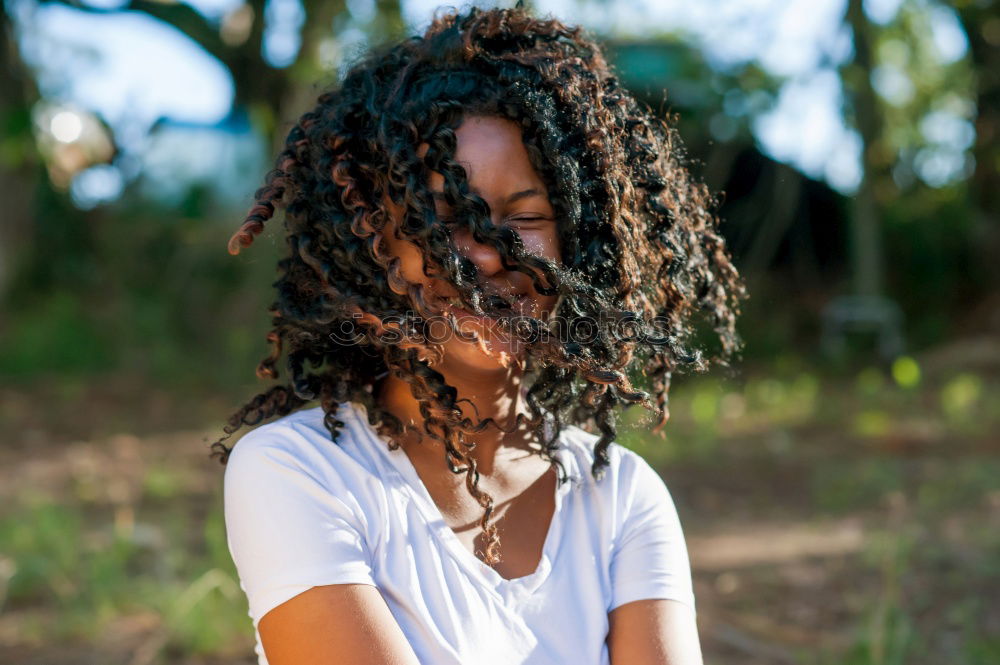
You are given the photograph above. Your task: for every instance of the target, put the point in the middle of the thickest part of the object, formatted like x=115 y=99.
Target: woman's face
x=491 y=151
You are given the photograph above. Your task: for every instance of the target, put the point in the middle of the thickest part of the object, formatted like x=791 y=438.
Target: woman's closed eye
x=528 y=220
x=517 y=223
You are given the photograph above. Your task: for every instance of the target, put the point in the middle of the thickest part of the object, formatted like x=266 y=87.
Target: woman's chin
x=497 y=346
x=494 y=350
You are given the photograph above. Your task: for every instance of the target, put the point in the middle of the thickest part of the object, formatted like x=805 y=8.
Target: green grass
x=87 y=568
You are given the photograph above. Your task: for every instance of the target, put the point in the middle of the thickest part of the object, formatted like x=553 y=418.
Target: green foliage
x=159 y=297
x=55 y=334
x=17 y=145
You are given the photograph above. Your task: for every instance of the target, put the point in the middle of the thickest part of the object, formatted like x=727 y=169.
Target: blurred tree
x=910 y=94
x=38 y=211
x=866 y=240
x=20 y=165
x=910 y=104
x=784 y=227
x=866 y=309
x=271 y=93
x=981 y=19
x=774 y=216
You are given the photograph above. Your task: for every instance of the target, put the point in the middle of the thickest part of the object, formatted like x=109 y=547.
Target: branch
x=180 y=15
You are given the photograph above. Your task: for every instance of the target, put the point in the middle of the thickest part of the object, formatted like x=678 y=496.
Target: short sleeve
x=649 y=557
x=289 y=527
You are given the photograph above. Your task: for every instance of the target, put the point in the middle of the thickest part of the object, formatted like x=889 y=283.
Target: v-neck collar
x=509 y=589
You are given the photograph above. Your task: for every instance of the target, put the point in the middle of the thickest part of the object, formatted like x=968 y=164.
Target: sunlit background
x=839 y=484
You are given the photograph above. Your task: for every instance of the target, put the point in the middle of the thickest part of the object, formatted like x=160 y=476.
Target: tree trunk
x=982 y=27
x=20 y=164
x=866 y=245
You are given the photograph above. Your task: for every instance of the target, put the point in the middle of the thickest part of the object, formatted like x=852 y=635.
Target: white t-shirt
x=302 y=511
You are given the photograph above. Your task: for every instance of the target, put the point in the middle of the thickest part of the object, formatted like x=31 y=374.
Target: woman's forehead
x=491 y=151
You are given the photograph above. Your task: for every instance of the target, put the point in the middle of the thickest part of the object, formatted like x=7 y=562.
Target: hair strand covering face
x=641 y=250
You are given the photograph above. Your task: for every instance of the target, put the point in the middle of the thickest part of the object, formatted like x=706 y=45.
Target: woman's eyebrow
x=516 y=196
x=523 y=194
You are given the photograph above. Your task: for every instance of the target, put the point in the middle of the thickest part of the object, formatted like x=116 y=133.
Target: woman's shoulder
x=299 y=448
x=297 y=435
x=624 y=465
x=628 y=493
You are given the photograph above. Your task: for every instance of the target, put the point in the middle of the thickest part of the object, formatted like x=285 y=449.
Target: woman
x=487 y=234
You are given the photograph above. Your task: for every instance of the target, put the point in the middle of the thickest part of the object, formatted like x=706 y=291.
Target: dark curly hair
x=641 y=251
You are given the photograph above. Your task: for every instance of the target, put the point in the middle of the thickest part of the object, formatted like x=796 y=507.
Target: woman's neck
x=493 y=394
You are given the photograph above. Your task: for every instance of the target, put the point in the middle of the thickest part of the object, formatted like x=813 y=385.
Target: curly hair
x=641 y=250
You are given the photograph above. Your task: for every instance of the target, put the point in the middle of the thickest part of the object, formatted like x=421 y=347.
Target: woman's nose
x=484 y=256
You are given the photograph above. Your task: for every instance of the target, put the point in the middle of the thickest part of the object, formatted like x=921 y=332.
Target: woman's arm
x=336 y=623
x=653 y=632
